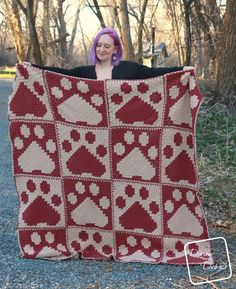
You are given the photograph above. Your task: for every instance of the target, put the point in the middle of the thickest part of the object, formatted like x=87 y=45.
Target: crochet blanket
x=106 y=169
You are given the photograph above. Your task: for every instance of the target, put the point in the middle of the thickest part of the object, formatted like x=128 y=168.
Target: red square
x=178 y=157
x=137 y=199
x=182 y=213
x=178 y=108
x=91 y=243
x=77 y=101
x=84 y=152
x=88 y=203
x=138 y=248
x=136 y=103
x=30 y=99
x=136 y=154
x=43 y=244
x=35 y=149
x=41 y=202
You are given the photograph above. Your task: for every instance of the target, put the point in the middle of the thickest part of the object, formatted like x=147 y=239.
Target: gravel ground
x=17 y=273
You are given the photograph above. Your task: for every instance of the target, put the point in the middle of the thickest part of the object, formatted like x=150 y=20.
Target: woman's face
x=105 y=48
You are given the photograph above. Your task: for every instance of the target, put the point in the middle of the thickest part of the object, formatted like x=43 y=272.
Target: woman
x=105 y=58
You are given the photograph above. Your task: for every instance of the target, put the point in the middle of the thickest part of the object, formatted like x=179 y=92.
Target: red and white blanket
x=106 y=169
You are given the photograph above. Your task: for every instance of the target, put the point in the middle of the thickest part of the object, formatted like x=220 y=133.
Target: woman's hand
x=188 y=67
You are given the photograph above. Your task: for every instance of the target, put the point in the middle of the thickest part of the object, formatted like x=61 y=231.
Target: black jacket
x=125 y=70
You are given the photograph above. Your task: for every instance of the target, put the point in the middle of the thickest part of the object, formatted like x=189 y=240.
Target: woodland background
x=200 y=33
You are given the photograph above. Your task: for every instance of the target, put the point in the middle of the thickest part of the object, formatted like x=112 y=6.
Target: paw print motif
x=43 y=244
x=138 y=103
x=41 y=202
x=91 y=244
x=198 y=253
x=182 y=213
x=135 y=154
x=29 y=99
x=88 y=203
x=34 y=148
x=76 y=100
x=132 y=200
x=178 y=157
x=84 y=152
x=138 y=248
x=174 y=250
x=196 y=98
x=178 y=108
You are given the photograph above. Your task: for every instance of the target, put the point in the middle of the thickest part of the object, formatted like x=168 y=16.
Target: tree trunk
x=213 y=10
x=116 y=15
x=18 y=32
x=188 y=35
x=33 y=33
x=46 y=35
x=30 y=14
x=172 y=14
x=140 y=32
x=62 y=32
x=99 y=14
x=226 y=74
x=74 y=30
x=125 y=31
x=214 y=13
x=85 y=48
x=209 y=42
x=14 y=20
x=198 y=44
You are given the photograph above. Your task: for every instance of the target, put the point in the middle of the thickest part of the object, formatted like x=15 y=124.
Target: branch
x=67 y=7
x=133 y=13
x=10 y=48
x=22 y=7
x=58 y=39
x=91 y=7
x=154 y=11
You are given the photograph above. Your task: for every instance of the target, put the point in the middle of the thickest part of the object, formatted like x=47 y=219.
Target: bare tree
x=226 y=73
x=13 y=17
x=140 y=31
x=116 y=14
x=62 y=32
x=125 y=30
x=172 y=12
x=214 y=15
x=74 y=30
x=133 y=12
x=47 y=50
x=188 y=33
x=30 y=14
x=205 y=27
x=7 y=47
x=84 y=44
x=96 y=10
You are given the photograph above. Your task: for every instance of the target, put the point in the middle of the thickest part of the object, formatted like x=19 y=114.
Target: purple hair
x=113 y=34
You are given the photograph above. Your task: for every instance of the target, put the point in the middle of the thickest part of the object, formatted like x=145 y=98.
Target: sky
x=89 y=21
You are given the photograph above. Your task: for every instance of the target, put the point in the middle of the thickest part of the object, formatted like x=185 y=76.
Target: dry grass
x=216 y=145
